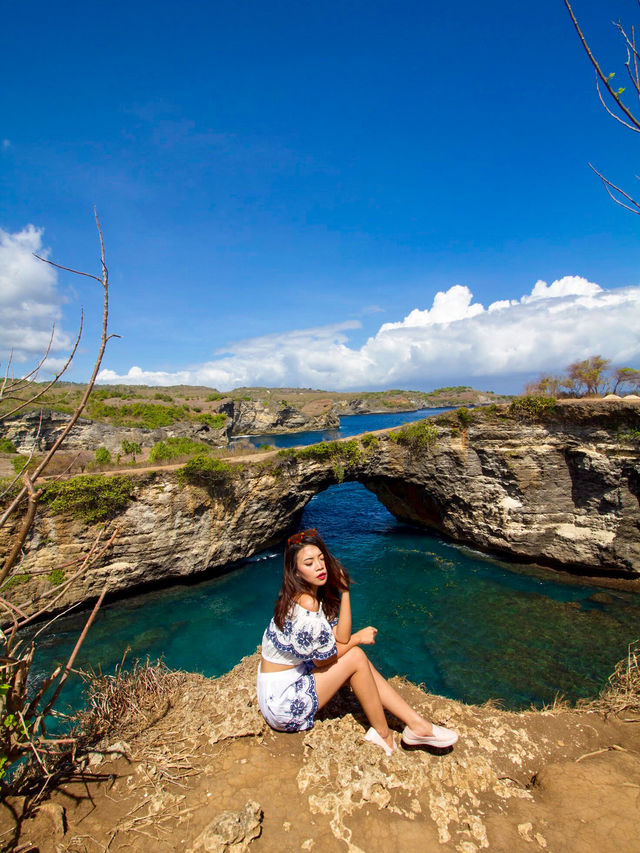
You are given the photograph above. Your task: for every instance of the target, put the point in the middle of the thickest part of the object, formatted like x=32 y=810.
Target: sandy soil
x=206 y=774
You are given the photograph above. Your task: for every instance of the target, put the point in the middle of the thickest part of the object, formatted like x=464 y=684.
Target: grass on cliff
x=204 y=471
x=419 y=435
x=621 y=695
x=89 y=498
x=533 y=407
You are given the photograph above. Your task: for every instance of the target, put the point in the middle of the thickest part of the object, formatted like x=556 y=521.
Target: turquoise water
x=468 y=627
x=349 y=425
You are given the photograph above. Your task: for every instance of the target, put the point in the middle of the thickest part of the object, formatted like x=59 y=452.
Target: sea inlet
x=464 y=625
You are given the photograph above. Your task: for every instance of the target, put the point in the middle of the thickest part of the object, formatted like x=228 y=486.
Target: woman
x=309 y=652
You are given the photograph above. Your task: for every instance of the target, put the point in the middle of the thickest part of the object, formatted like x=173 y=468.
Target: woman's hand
x=366 y=636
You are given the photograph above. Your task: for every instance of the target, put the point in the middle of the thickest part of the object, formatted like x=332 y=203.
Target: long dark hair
x=293 y=585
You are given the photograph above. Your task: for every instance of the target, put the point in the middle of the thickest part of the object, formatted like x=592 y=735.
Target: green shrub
x=7 y=446
x=630 y=435
x=211 y=398
x=369 y=441
x=172 y=448
x=418 y=435
x=205 y=471
x=464 y=416
x=348 y=451
x=56 y=576
x=490 y=409
x=214 y=421
x=89 y=498
x=130 y=448
x=532 y=406
x=165 y=397
x=103 y=457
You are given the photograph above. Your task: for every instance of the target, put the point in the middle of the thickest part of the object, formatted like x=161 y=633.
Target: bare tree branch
x=32 y=400
x=605 y=80
x=612 y=188
x=85 y=397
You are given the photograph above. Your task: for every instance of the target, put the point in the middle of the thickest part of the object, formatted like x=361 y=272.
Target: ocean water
x=466 y=626
x=349 y=425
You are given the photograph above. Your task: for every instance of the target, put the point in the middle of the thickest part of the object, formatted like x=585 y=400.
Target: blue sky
x=277 y=181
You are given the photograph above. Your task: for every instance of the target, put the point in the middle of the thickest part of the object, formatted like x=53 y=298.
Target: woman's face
x=310 y=565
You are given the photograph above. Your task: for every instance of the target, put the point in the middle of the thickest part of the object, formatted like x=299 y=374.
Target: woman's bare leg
x=392 y=701
x=354 y=667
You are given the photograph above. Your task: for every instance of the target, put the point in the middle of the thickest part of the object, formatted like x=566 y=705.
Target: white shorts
x=288 y=699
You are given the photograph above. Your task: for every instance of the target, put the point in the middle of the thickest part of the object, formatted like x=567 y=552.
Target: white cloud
x=448 y=307
x=453 y=341
x=29 y=298
x=569 y=285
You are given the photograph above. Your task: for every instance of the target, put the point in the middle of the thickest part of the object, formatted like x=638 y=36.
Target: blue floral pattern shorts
x=288 y=699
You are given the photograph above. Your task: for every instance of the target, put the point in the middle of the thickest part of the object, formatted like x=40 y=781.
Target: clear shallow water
x=468 y=627
x=349 y=425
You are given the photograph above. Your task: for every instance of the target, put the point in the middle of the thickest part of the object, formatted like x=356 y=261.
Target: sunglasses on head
x=297 y=538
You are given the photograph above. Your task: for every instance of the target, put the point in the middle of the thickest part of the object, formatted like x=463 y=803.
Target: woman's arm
x=364 y=637
x=342 y=631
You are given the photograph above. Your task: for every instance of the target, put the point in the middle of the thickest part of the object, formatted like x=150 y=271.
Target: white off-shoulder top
x=306 y=635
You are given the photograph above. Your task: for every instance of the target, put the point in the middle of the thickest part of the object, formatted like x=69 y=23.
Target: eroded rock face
x=564 y=493
x=250 y=417
x=31 y=431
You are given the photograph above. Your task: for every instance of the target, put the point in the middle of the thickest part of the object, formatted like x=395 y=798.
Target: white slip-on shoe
x=440 y=739
x=373 y=737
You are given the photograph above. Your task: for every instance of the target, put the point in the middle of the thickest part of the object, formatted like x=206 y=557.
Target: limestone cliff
x=562 y=491
x=253 y=417
x=33 y=431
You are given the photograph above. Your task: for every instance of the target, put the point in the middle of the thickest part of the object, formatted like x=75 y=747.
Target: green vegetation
x=211 y=398
x=204 y=471
x=370 y=441
x=418 y=435
x=15 y=580
x=165 y=397
x=172 y=448
x=18 y=463
x=630 y=435
x=214 y=421
x=89 y=498
x=464 y=416
x=532 y=406
x=56 y=576
x=146 y=415
x=111 y=393
x=102 y=456
x=130 y=448
x=7 y=446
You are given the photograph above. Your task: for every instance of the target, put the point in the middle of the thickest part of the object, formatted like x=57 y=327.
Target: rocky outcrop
x=564 y=491
x=252 y=417
x=203 y=771
x=33 y=431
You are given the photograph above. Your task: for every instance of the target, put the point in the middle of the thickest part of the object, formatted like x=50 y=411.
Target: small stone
x=542 y=841
x=230 y=832
x=308 y=844
x=525 y=830
x=56 y=814
x=287 y=826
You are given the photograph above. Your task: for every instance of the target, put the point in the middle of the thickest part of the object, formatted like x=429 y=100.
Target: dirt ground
x=208 y=775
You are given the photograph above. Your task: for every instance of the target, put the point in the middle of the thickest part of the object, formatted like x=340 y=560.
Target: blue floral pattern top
x=305 y=636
